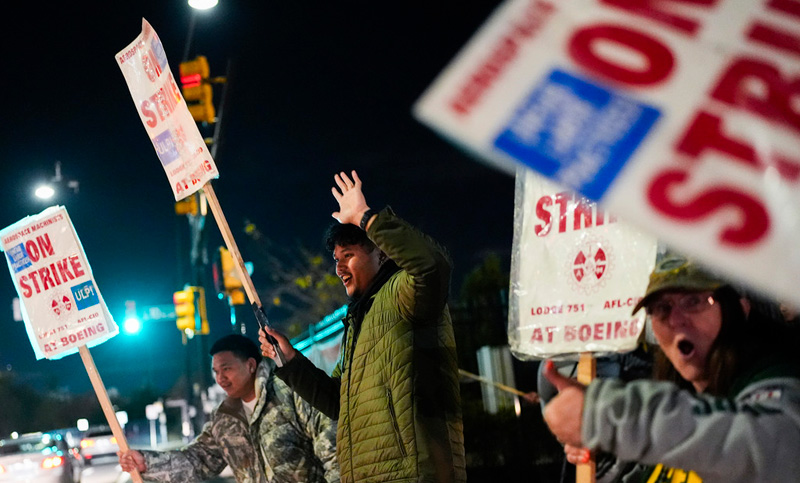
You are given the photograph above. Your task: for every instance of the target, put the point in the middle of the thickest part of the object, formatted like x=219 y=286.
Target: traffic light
x=187 y=206
x=184 y=310
x=231 y=284
x=197 y=91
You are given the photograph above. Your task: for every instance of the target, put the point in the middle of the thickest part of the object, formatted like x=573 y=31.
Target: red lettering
x=536 y=14
x=779 y=39
x=32 y=276
x=543 y=214
x=776 y=102
x=562 y=199
x=47 y=280
x=33 y=250
x=63 y=269
x=76 y=265
x=654 y=10
x=658 y=58
x=754 y=222
x=537 y=335
x=583 y=210
x=152 y=120
x=584 y=332
x=26 y=289
x=792 y=7
x=705 y=132
x=45 y=245
x=598 y=331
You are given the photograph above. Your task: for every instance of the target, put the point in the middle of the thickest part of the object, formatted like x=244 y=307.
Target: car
x=99 y=445
x=39 y=458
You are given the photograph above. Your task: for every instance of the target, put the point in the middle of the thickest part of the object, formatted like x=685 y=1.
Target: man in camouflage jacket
x=263 y=431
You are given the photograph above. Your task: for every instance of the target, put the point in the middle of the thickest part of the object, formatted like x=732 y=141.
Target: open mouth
x=685 y=347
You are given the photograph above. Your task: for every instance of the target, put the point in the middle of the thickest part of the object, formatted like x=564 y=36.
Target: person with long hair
x=726 y=402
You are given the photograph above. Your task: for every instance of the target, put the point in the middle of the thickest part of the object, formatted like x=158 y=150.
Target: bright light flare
x=44 y=192
x=203 y=4
x=132 y=325
x=52 y=462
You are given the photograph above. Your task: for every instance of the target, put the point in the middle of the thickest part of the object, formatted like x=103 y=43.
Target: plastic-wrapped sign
x=576 y=274
x=681 y=117
x=61 y=304
x=160 y=104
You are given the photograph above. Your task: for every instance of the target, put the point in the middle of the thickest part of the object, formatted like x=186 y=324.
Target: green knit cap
x=675 y=272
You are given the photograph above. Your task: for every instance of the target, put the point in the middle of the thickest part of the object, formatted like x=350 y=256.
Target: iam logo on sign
x=61 y=305
x=589 y=267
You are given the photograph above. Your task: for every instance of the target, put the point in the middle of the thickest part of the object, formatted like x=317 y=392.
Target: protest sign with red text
x=61 y=304
x=682 y=117
x=577 y=273
x=180 y=147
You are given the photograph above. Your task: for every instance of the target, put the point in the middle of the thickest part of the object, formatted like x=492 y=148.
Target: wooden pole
x=230 y=242
x=105 y=403
x=587 y=371
x=502 y=387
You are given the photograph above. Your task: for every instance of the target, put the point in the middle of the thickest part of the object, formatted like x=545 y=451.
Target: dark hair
x=345 y=234
x=741 y=341
x=242 y=347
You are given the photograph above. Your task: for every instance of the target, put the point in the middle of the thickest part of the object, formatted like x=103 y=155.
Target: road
x=112 y=473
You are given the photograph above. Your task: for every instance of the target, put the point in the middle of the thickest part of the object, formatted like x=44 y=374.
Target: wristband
x=365 y=219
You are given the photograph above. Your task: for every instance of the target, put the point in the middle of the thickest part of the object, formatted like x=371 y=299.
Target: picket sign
x=682 y=119
x=105 y=403
x=181 y=149
x=61 y=304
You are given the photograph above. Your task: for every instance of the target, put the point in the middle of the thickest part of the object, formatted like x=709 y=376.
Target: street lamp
x=48 y=190
x=202 y=4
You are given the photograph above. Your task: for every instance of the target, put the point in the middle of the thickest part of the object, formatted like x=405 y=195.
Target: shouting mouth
x=686 y=348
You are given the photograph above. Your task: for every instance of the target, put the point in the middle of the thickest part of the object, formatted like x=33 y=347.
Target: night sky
x=314 y=88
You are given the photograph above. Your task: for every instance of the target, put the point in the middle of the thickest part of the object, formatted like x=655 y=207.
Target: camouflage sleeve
x=200 y=460
x=322 y=430
x=312 y=383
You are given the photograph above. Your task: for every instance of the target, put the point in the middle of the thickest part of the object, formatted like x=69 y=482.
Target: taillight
x=52 y=462
x=113 y=440
x=2 y=469
x=85 y=443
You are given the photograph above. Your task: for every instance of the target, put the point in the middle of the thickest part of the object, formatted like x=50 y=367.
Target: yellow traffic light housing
x=197 y=91
x=231 y=283
x=184 y=310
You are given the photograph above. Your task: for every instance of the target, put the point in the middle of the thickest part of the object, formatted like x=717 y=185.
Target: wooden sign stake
x=230 y=242
x=587 y=371
x=105 y=403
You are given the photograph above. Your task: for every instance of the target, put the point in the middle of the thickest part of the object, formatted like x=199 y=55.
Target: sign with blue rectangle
x=577 y=132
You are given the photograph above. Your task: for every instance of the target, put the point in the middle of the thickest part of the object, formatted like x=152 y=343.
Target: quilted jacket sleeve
x=426 y=278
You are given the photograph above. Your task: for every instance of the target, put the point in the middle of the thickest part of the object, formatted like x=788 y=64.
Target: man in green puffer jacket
x=263 y=431
x=395 y=390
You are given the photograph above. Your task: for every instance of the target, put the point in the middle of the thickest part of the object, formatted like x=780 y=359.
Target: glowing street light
x=203 y=4
x=132 y=325
x=46 y=191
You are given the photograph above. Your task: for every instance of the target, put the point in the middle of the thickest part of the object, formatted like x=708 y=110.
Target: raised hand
x=352 y=204
x=267 y=350
x=564 y=412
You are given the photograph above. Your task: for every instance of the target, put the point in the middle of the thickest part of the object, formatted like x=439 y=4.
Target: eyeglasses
x=689 y=303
